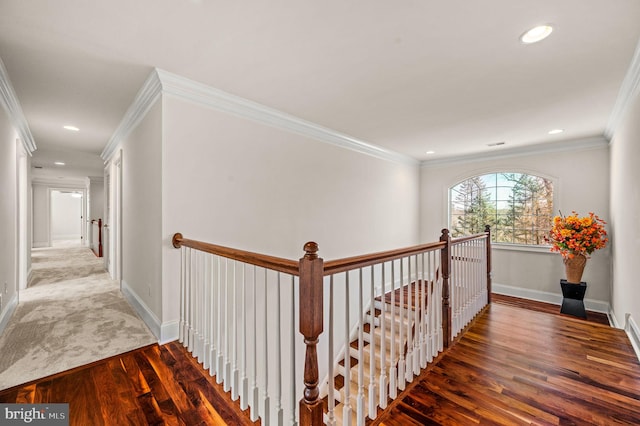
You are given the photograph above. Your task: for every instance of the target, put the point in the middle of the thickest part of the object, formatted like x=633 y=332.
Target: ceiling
x=445 y=76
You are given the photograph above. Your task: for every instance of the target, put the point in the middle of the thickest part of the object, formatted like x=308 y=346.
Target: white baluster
x=423 y=311
x=409 y=359
x=206 y=287
x=266 y=414
x=234 y=335
x=191 y=303
x=402 y=380
x=221 y=330
x=393 y=384
x=292 y=358
x=346 y=411
x=416 y=319
x=384 y=387
x=226 y=384
x=278 y=372
x=372 y=350
x=255 y=397
x=213 y=355
x=244 y=381
x=183 y=291
x=360 y=396
x=331 y=401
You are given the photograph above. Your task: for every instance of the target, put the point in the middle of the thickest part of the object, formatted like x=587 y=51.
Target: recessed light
x=430 y=152
x=59 y=163
x=536 y=34
x=72 y=128
x=555 y=131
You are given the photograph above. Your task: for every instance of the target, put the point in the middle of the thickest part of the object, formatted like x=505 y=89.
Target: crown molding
x=628 y=90
x=142 y=103
x=59 y=183
x=566 y=145
x=11 y=104
x=166 y=83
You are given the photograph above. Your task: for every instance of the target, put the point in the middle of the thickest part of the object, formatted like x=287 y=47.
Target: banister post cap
x=311 y=250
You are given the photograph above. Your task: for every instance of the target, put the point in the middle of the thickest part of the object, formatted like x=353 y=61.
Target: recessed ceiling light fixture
x=59 y=163
x=71 y=128
x=536 y=34
x=430 y=152
x=555 y=131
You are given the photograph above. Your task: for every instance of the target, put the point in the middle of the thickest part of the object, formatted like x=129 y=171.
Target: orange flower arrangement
x=573 y=235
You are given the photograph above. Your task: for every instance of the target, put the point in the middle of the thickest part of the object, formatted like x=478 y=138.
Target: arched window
x=517 y=206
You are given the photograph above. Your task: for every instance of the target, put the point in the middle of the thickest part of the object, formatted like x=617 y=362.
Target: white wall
x=238 y=183
x=581 y=183
x=246 y=185
x=66 y=213
x=40 y=219
x=8 y=219
x=96 y=198
x=625 y=205
x=141 y=212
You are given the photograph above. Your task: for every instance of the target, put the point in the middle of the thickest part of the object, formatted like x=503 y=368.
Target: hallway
x=71 y=314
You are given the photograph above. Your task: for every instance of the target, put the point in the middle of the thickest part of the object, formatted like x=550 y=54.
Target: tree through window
x=517 y=206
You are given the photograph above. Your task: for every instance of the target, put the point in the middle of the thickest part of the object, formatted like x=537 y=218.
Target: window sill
x=520 y=247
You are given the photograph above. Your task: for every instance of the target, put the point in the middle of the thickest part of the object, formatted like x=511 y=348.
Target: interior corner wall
x=581 y=183
x=8 y=214
x=141 y=213
x=40 y=215
x=96 y=199
x=239 y=183
x=625 y=205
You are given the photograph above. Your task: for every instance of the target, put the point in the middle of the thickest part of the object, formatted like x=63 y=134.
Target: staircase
x=392 y=328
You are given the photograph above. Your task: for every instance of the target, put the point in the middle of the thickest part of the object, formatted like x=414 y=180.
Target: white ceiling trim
x=204 y=95
x=164 y=82
x=14 y=110
x=567 y=145
x=144 y=100
x=629 y=88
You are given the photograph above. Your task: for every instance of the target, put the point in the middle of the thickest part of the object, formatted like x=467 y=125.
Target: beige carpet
x=71 y=314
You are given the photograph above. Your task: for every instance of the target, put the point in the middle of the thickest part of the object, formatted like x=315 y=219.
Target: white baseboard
x=633 y=331
x=545 y=296
x=7 y=313
x=164 y=332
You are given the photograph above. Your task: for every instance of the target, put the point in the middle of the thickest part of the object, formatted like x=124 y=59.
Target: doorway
x=66 y=224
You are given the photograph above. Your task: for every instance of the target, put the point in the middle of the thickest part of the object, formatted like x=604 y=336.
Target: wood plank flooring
x=155 y=385
x=513 y=366
x=523 y=367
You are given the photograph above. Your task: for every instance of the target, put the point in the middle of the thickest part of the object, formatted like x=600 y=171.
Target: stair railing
x=389 y=315
x=96 y=237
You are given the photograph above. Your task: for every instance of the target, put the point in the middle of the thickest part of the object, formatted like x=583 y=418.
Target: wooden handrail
x=311 y=269
x=349 y=263
x=466 y=238
x=265 y=261
x=99 y=223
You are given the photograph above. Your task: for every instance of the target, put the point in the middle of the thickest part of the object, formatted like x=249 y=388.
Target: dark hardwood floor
x=597 y=317
x=154 y=385
x=517 y=366
x=513 y=366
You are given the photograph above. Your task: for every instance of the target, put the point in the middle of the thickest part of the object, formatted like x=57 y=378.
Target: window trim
x=555 y=181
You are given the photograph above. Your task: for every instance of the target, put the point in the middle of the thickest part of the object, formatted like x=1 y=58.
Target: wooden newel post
x=99 y=237
x=311 y=324
x=445 y=264
x=487 y=229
